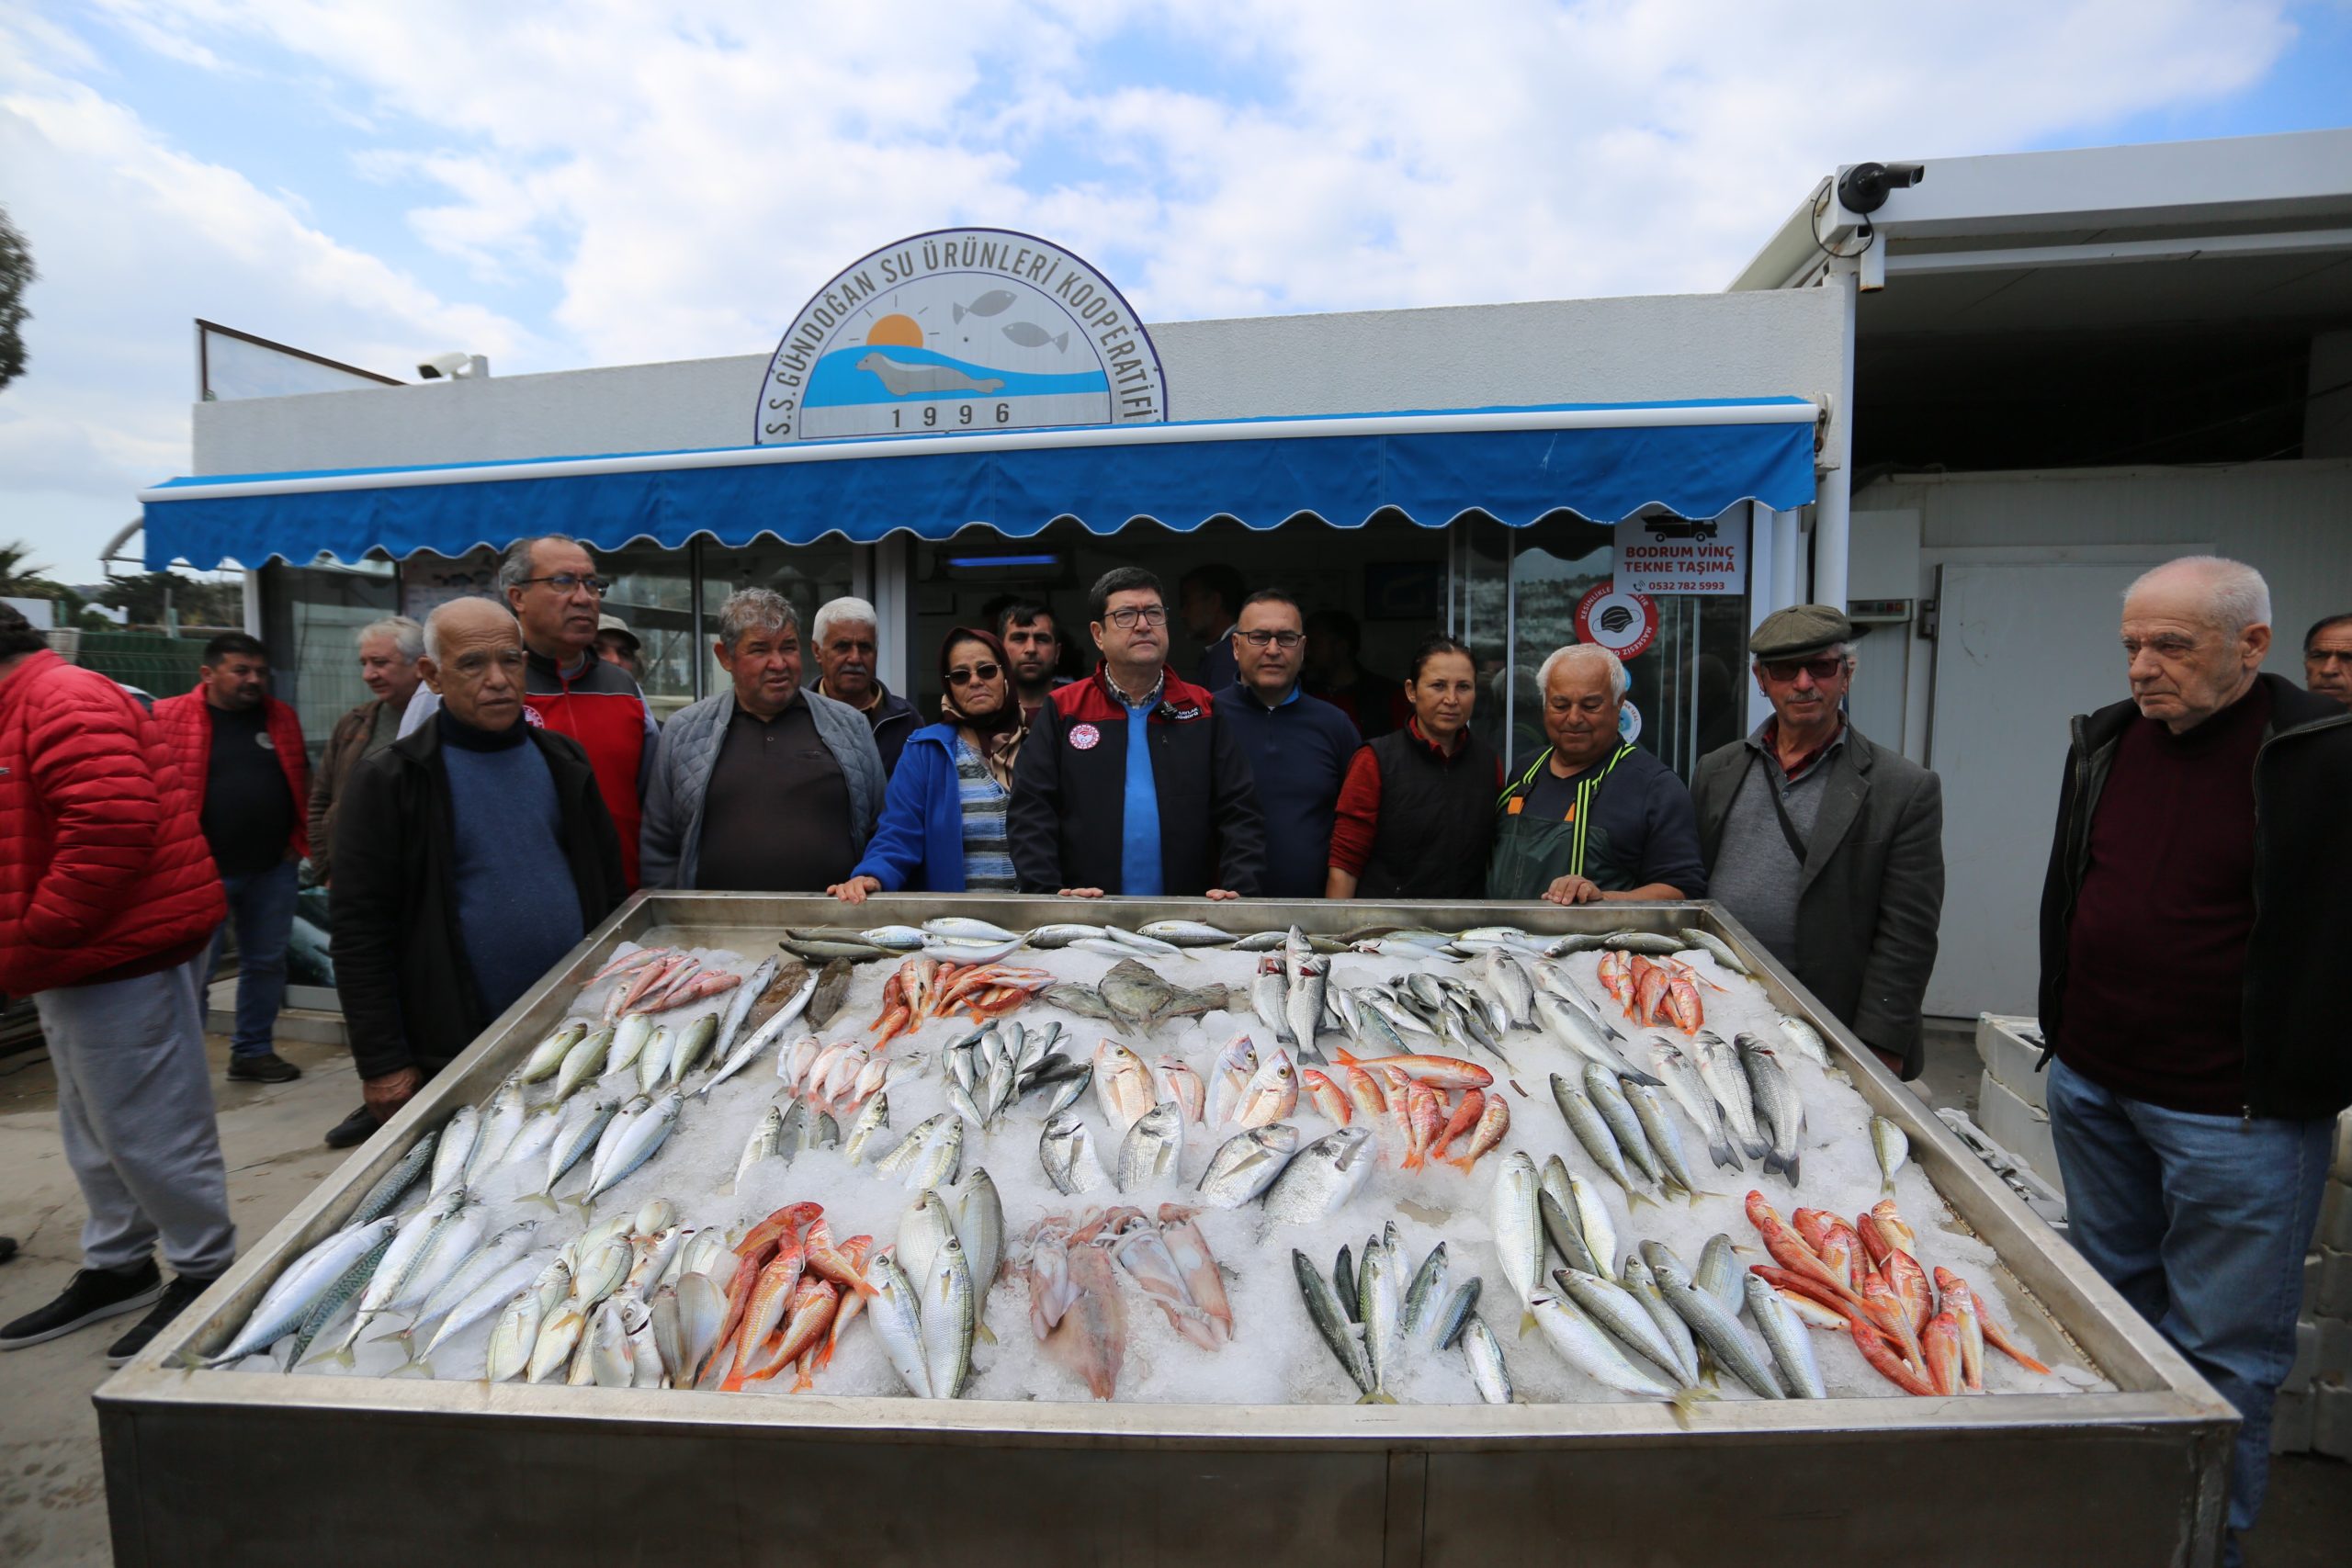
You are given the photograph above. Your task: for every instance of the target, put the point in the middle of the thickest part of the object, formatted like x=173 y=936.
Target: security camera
x=456 y=366
x=1864 y=187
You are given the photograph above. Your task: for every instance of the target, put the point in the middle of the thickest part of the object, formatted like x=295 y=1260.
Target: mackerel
x=903 y=1154
x=395 y=1182
x=1487 y=1373
x=582 y=1124
x=644 y=1139
x=455 y=1147
x=1425 y=1299
x=583 y=1061
x=1339 y=1334
x=336 y=1296
x=297 y=1289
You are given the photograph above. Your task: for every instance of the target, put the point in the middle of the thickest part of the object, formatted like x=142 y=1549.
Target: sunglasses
x=1825 y=669
x=960 y=677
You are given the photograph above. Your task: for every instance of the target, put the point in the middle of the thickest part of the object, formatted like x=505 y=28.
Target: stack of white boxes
x=2009 y=1097
x=2314 y=1410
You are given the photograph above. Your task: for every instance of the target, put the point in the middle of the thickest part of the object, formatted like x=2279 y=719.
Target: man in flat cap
x=1825 y=844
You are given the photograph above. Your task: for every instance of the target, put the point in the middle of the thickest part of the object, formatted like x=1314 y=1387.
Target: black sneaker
x=267 y=1067
x=177 y=1294
x=93 y=1293
x=353 y=1129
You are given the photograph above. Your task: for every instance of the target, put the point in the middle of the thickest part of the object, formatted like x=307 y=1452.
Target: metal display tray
x=223 y=1467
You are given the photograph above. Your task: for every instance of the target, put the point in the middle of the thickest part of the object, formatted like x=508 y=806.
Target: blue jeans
x=2201 y=1223
x=261 y=904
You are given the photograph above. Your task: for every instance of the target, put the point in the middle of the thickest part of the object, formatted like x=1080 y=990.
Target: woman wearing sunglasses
x=943 y=822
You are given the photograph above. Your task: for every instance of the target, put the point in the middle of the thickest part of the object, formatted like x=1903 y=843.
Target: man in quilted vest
x=107 y=894
x=239 y=749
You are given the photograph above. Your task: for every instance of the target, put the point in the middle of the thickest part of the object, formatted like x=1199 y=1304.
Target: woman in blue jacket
x=943 y=821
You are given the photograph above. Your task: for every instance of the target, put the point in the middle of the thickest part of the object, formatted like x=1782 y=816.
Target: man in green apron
x=1595 y=817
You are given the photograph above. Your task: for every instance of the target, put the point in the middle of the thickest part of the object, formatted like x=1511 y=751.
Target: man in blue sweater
x=469 y=857
x=1298 y=745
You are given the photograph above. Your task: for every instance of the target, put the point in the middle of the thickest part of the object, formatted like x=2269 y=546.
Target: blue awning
x=1602 y=462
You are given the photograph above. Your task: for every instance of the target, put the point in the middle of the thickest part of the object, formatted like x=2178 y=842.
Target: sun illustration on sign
x=895 y=331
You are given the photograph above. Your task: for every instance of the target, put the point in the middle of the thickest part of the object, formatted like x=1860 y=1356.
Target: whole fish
x=1806 y=1040
x=515 y=1337
x=833 y=989
x=1888 y=1142
x=1698 y=1101
x=653 y=1062
x=1594 y=1223
x=1716 y=1328
x=895 y=1313
x=1425 y=1299
x=1135 y=941
x=898 y=939
x=485 y=1259
x=1340 y=1333
x=1066 y=1149
x=1153 y=1147
x=1582 y=1033
x=1123 y=1086
x=1246 y=1165
x=1084 y=1001
x=1787 y=1338
x=642 y=1142
x=872 y=1118
x=1380 y=1309
x=299 y=1289
x=769 y=1032
x=702 y=1315
x=1321 y=1177
x=502 y=1120
x=1715 y=948
x=1642 y=1286
x=1135 y=994
x=1600 y=1088
x=548 y=1054
x=1487 y=1373
x=1183 y=1085
x=923 y=1228
x=1271 y=1095
x=1062 y=933
x=1620 y=1312
x=1656 y=943
x=559 y=1335
x=940 y=1160
x=1186 y=933
x=1519 y=1228
x=611 y=1358
x=455 y=1148
x=1513 y=986
x=1302 y=1004
x=962 y=928
x=579 y=1130
x=1565 y=1234
x=584 y=1061
x=1776 y=1097
x=1330 y=1101
x=394 y=1184
x=1719 y=1068
x=1229 y=1079
x=513 y=1274
x=1439 y=1072
x=1584 y=1345
x=1593 y=1133
x=761 y=1144
x=903 y=1154
x=980 y=1226
x=1664 y=1142
x=1270 y=998
x=1719 y=1273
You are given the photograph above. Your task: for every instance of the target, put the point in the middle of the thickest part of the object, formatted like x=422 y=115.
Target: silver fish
x=898 y=938
x=396 y=1182
x=1138 y=943
x=1806 y=1040
x=642 y=1142
x=1594 y=1223
x=1787 y=1338
x=1617 y=1310
x=1062 y=934
x=454 y=1148
x=1888 y=1142
x=1593 y=1133
x=1065 y=1091
x=979 y=1225
x=1487 y=1373
x=514 y=1275
x=1340 y=1333
x=549 y=1053
x=513 y=1340
x=1698 y=1101
x=1067 y=1151
x=872 y=1117
x=948 y=1323
x=1321 y=1177
x=702 y=1313
x=1642 y=1286
x=1777 y=1099
x=924 y=1227
x=1424 y=1298
x=961 y=928
x=1246 y=1165
x=558 y=1336
x=1153 y=1147
x=501 y=1120
x=1270 y=998
x=1718 y=1330
x=897 y=1315
x=308 y=1278
x=903 y=1155
x=769 y=1032
x=584 y=1061
x=1719 y=1068
x=1719 y=1272
x=1664 y=1142
x=1584 y=1345
x=1519 y=1228
x=630 y=1036
x=1186 y=933
x=1303 y=1005
x=1600 y=1088
x=1380 y=1309
x=1655 y=944
x=762 y=1143
x=1715 y=948
x=1565 y=1232
x=579 y=1130
x=1584 y=1034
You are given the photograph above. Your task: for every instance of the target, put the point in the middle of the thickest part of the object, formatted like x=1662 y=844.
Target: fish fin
x=1683 y=1403
x=1526 y=1322
x=405 y=1335
x=984 y=1332
x=1632 y=1198
x=1378 y=1396
x=1886 y=1188
x=1795 y=1160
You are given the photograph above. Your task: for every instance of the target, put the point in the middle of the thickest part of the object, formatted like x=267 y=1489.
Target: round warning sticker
x=1622 y=622
x=1085 y=737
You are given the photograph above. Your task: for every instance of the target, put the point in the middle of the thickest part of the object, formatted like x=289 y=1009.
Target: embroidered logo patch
x=531 y=716
x=1085 y=737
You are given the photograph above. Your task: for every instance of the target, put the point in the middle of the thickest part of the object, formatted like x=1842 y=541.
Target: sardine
x=1153 y=1147
x=1246 y=1165
x=1321 y=1177
x=767 y=1033
x=1067 y=1151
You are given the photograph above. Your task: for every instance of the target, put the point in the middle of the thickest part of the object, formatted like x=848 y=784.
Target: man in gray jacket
x=766 y=787
x=1826 y=845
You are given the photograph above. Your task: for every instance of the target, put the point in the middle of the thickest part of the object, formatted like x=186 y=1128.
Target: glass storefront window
x=807 y=575
x=310 y=619
x=652 y=590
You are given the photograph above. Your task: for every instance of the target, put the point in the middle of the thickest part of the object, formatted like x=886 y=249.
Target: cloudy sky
x=612 y=181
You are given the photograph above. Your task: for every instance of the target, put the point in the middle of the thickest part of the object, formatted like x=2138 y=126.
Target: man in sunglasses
x=1298 y=745
x=1825 y=844
x=1131 y=782
x=550 y=583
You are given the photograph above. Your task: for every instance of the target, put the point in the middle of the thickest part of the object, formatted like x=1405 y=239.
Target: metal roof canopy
x=1604 y=462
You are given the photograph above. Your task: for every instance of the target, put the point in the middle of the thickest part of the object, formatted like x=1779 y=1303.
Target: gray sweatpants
x=135 y=1104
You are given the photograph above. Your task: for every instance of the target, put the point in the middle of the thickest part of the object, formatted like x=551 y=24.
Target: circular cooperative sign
x=1623 y=623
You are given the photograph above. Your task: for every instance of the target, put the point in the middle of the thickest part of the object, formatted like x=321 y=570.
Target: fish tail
x=1633 y=1197
x=1685 y=1400
x=1795 y=1160
x=1526 y=1322
x=1378 y=1396
x=1062 y=343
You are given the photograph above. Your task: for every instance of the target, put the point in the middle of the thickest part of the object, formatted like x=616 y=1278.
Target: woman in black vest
x=1417 y=811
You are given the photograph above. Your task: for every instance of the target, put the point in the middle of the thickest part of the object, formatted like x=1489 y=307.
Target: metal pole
x=1510 y=651
x=1833 y=506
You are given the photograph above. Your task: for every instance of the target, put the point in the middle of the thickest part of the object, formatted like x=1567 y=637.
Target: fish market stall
x=954 y=1227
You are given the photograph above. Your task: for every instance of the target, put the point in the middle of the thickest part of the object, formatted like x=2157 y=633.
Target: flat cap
x=1800 y=630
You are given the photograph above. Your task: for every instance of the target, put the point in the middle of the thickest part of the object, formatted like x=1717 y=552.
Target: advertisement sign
x=1622 y=622
x=1661 y=553
x=958 y=332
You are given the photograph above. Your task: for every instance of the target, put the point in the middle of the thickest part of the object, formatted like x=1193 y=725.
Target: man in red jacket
x=106 y=893
x=241 y=749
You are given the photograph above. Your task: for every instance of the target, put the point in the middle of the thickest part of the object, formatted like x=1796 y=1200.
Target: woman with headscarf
x=943 y=821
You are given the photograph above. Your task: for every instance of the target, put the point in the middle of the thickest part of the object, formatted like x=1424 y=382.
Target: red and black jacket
x=1066 y=820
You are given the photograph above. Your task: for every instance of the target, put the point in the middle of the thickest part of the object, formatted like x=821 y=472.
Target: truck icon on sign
x=1669 y=526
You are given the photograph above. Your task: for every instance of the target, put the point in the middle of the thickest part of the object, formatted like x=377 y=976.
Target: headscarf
x=1002 y=732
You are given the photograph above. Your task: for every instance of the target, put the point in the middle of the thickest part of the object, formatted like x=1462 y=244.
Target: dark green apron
x=1532 y=853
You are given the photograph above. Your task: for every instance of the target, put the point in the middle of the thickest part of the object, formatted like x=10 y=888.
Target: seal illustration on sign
x=902 y=379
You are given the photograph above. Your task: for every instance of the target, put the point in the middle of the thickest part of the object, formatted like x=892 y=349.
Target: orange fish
x=1327 y=1095
x=1909 y=1283
x=1464 y=1117
x=1682 y=1006
x=826 y=1259
x=769 y=1299
x=1616 y=974
x=1365 y=1089
x=1998 y=1339
x=854 y=1249
x=1494 y=1123
x=1445 y=1072
x=1423 y=1115
x=1960 y=1302
x=1649 y=994
x=1790 y=1251
x=1891 y=1226
x=811 y=1315
x=790 y=1220
x=1874 y=1350
x=1941 y=1344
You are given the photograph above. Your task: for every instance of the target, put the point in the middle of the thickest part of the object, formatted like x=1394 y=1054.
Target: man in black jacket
x=2190 y=950
x=1129 y=782
x=469 y=857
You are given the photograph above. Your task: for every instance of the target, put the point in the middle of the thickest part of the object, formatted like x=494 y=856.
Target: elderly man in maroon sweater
x=2190 y=940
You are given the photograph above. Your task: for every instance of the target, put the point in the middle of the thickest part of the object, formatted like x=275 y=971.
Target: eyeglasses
x=565 y=582
x=977 y=672
x=1131 y=617
x=1825 y=669
x=1273 y=639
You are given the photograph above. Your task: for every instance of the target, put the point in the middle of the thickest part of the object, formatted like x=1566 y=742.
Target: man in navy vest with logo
x=1129 y=783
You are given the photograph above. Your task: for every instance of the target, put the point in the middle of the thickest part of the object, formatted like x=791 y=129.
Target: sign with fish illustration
x=960 y=330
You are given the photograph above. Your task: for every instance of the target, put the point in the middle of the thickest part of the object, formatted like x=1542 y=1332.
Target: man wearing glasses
x=1298 y=745
x=1130 y=781
x=550 y=583
x=1826 y=845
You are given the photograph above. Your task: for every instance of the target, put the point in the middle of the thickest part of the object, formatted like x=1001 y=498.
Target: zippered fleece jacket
x=1068 y=815
x=104 y=870
x=2298 y=1063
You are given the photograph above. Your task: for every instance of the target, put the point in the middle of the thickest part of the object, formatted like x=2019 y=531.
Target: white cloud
x=679 y=180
